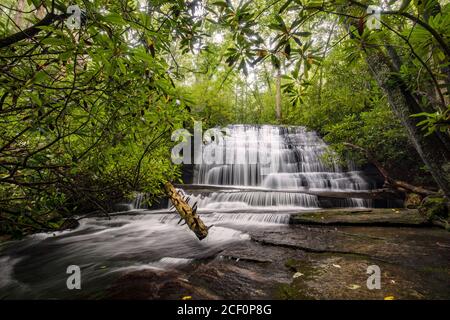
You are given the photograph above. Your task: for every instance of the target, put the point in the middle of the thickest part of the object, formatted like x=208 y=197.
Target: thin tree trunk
x=267 y=78
x=257 y=96
x=18 y=17
x=236 y=107
x=319 y=96
x=435 y=103
x=278 y=95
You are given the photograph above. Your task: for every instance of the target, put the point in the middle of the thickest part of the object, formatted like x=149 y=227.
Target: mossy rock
x=434 y=207
x=412 y=201
x=297 y=288
x=292 y=264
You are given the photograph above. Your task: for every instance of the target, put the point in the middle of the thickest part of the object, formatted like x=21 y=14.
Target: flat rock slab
x=308 y=262
x=374 y=217
x=345 y=277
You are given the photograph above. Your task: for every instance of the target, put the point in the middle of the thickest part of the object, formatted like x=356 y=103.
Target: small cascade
x=139 y=201
x=267 y=174
x=233 y=218
x=254 y=199
x=264 y=218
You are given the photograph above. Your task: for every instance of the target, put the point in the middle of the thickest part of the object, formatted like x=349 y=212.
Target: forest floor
x=320 y=255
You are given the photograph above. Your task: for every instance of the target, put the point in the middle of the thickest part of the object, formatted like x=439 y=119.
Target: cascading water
x=263 y=179
x=271 y=166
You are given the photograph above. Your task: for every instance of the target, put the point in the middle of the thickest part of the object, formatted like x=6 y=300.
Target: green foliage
x=434 y=208
x=436 y=121
x=86 y=115
x=376 y=130
x=352 y=109
x=211 y=104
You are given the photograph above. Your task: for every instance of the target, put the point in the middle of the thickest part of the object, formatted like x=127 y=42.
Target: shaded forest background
x=86 y=114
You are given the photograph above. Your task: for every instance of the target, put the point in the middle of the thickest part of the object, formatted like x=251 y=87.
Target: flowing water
x=280 y=162
x=262 y=173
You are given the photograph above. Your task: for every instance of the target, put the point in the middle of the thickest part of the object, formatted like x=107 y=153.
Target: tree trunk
x=327 y=44
x=257 y=96
x=278 y=95
x=236 y=106
x=431 y=149
x=431 y=94
x=187 y=213
x=18 y=17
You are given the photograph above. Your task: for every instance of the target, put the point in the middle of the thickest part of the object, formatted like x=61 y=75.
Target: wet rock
x=69 y=223
x=307 y=262
x=413 y=262
x=369 y=217
x=345 y=277
x=434 y=207
x=406 y=246
x=413 y=201
x=253 y=273
x=155 y=284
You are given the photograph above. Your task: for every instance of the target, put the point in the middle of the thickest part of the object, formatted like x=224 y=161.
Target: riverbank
x=321 y=255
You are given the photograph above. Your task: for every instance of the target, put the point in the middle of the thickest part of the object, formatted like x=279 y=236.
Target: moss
x=443 y=270
x=412 y=201
x=291 y=292
x=297 y=289
x=434 y=207
x=292 y=264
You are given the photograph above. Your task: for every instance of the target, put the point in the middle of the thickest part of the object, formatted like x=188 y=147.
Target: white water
x=274 y=158
x=35 y=267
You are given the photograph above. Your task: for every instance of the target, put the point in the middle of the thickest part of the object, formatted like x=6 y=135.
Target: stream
x=146 y=242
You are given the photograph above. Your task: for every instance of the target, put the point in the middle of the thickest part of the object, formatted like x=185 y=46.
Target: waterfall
x=270 y=168
x=264 y=174
x=282 y=162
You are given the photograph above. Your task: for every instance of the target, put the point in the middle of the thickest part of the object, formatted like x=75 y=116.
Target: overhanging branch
x=31 y=31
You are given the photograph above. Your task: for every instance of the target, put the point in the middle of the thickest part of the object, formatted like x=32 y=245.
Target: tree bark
x=31 y=31
x=18 y=17
x=431 y=149
x=327 y=44
x=278 y=95
x=187 y=213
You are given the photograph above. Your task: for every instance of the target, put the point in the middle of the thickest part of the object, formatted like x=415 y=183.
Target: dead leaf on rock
x=353 y=286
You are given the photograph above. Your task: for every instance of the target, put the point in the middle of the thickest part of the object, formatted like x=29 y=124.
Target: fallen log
x=186 y=212
x=388 y=180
